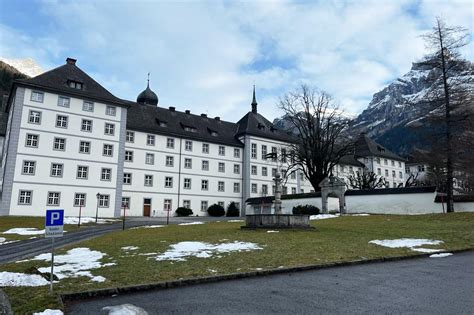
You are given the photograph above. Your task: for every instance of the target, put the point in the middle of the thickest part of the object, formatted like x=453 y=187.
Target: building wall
x=385 y=167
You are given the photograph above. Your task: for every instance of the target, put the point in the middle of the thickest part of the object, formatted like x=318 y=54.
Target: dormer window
x=75 y=85
x=188 y=128
x=161 y=123
x=380 y=149
x=260 y=126
x=212 y=132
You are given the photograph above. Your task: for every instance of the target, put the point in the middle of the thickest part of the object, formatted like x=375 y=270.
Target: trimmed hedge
x=306 y=209
x=216 y=211
x=232 y=210
x=183 y=212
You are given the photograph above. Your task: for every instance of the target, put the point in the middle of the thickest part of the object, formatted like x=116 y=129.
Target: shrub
x=306 y=209
x=183 y=212
x=216 y=210
x=232 y=210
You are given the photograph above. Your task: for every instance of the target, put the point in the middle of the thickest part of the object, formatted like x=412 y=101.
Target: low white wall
x=288 y=204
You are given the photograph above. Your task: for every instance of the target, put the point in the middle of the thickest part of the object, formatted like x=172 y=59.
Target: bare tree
x=366 y=180
x=316 y=120
x=450 y=95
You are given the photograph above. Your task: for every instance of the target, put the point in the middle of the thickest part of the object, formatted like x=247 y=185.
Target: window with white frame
x=128 y=156
x=88 y=106
x=79 y=199
x=86 y=125
x=126 y=202
x=130 y=136
x=150 y=139
x=221 y=167
x=274 y=172
x=34 y=117
x=109 y=129
x=188 y=145
x=392 y=162
x=110 y=110
x=106 y=174
x=82 y=172
x=187 y=183
x=127 y=178
x=264 y=171
x=236 y=153
x=274 y=154
x=188 y=163
x=53 y=198
x=400 y=175
x=293 y=175
x=75 y=85
x=293 y=190
x=170 y=143
x=221 y=203
x=187 y=204
x=205 y=148
x=84 y=147
x=221 y=150
x=264 y=189
x=254 y=151
x=237 y=187
x=167 y=205
x=169 y=160
x=379 y=171
x=236 y=169
x=386 y=173
x=399 y=164
x=385 y=161
x=104 y=201
x=37 y=96
x=150 y=158
x=253 y=170
x=24 y=197
x=204 y=184
x=264 y=152
x=204 y=206
x=64 y=101
x=108 y=150
x=205 y=165
x=56 y=170
x=220 y=186
x=61 y=121
x=283 y=155
x=28 y=168
x=168 y=182
x=148 y=180
x=254 y=188
x=31 y=140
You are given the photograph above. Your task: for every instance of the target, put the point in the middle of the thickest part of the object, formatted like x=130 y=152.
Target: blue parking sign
x=54 y=223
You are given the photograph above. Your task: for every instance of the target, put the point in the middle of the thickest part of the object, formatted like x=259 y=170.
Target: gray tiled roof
x=3 y=123
x=364 y=146
x=350 y=160
x=256 y=125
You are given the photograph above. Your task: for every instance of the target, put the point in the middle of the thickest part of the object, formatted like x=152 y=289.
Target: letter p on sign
x=54 y=223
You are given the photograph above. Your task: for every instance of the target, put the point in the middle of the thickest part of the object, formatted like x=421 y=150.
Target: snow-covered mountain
x=26 y=66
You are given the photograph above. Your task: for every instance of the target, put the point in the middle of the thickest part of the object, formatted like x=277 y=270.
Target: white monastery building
x=70 y=144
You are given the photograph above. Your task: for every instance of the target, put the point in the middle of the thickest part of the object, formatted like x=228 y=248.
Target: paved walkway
x=414 y=286
x=28 y=248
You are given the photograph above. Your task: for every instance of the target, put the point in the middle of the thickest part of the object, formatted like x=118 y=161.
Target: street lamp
x=97 y=209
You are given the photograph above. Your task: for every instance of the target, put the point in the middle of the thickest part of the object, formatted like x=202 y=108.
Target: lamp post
x=97 y=209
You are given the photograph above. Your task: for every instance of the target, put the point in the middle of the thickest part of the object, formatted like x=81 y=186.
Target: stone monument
x=333 y=186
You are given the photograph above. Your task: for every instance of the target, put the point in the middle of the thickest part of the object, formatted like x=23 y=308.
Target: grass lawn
x=10 y=222
x=335 y=240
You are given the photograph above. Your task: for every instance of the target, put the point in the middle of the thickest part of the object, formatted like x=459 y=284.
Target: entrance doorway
x=146 y=207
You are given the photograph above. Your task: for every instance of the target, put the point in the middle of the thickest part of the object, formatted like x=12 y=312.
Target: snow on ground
x=182 y=250
x=360 y=214
x=272 y=231
x=15 y=279
x=411 y=243
x=323 y=216
x=49 y=312
x=147 y=227
x=192 y=223
x=441 y=255
x=3 y=241
x=75 y=263
x=124 y=309
x=130 y=248
x=24 y=231
x=235 y=221
x=75 y=220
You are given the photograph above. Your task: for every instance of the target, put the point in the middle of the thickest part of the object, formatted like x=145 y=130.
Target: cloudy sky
x=206 y=55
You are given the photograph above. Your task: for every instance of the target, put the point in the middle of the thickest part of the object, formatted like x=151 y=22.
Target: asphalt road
x=28 y=248
x=414 y=286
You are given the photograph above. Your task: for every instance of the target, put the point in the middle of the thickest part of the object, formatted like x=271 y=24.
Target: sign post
x=54 y=227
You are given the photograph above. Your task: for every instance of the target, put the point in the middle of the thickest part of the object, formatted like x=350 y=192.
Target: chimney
x=187 y=111
x=172 y=109
x=217 y=118
x=71 y=61
x=204 y=115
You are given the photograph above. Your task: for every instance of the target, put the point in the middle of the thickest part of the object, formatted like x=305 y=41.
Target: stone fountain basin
x=277 y=221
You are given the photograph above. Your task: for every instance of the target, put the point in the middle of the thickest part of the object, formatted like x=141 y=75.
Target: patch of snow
x=24 y=231
x=272 y=231
x=124 y=309
x=129 y=248
x=77 y=262
x=411 y=243
x=441 y=255
x=235 y=221
x=15 y=279
x=3 y=241
x=49 y=312
x=26 y=66
x=192 y=223
x=378 y=122
x=84 y=220
x=147 y=227
x=360 y=215
x=98 y=279
x=323 y=216
x=182 y=250
x=258 y=269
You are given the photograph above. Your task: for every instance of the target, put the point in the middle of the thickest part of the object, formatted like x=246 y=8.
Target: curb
x=200 y=280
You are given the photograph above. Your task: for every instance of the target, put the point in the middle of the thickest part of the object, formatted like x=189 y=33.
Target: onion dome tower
x=147 y=97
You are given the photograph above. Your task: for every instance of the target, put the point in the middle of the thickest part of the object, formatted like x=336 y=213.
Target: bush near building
x=183 y=212
x=306 y=209
x=216 y=210
x=232 y=210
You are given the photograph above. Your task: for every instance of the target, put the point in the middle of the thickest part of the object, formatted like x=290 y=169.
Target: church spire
x=254 y=101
